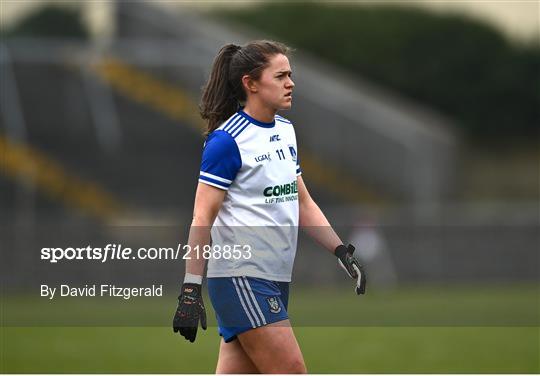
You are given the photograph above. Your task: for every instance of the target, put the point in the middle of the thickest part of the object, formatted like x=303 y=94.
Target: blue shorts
x=244 y=303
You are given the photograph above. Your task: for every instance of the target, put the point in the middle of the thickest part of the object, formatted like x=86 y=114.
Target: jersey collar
x=257 y=122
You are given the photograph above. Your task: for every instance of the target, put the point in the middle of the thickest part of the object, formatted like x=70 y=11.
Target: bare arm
x=190 y=308
x=314 y=222
x=208 y=200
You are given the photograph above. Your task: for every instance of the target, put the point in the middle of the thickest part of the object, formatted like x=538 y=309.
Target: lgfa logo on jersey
x=264 y=157
x=274 y=305
x=275 y=138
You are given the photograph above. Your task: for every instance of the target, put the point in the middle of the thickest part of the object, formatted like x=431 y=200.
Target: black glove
x=190 y=310
x=352 y=267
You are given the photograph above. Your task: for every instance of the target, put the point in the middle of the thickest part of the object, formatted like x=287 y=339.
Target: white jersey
x=257 y=164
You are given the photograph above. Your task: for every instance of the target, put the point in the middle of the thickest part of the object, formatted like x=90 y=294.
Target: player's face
x=275 y=85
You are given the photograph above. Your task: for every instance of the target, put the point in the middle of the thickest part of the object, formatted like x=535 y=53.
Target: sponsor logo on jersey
x=274 y=305
x=281 y=190
x=264 y=157
x=293 y=152
x=275 y=138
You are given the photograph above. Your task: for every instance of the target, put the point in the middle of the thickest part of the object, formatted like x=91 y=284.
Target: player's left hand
x=352 y=267
x=190 y=310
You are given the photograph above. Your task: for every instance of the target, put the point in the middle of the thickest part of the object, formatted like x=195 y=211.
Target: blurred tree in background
x=460 y=66
x=51 y=22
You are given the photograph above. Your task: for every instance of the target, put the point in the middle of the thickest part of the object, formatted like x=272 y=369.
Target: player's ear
x=249 y=84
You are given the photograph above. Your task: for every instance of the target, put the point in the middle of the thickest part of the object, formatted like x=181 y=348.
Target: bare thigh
x=273 y=348
x=233 y=359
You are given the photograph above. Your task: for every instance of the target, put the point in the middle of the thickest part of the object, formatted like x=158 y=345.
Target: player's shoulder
x=220 y=139
x=219 y=147
x=234 y=125
x=281 y=120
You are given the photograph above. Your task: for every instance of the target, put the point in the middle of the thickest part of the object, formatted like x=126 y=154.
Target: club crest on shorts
x=274 y=305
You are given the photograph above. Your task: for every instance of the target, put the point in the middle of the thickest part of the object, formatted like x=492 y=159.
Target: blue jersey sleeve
x=220 y=160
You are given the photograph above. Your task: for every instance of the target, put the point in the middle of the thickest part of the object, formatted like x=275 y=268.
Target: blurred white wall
x=12 y=11
x=520 y=19
x=97 y=15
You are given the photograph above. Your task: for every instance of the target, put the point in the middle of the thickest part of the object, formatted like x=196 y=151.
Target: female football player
x=249 y=202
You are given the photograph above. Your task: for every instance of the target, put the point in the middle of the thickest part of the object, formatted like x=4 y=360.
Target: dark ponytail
x=223 y=91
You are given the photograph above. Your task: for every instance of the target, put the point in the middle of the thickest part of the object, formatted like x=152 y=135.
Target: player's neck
x=260 y=113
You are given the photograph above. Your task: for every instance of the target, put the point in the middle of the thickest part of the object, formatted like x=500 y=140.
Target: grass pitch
x=433 y=341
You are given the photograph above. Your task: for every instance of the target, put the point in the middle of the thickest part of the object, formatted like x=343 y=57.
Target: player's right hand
x=352 y=267
x=190 y=310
